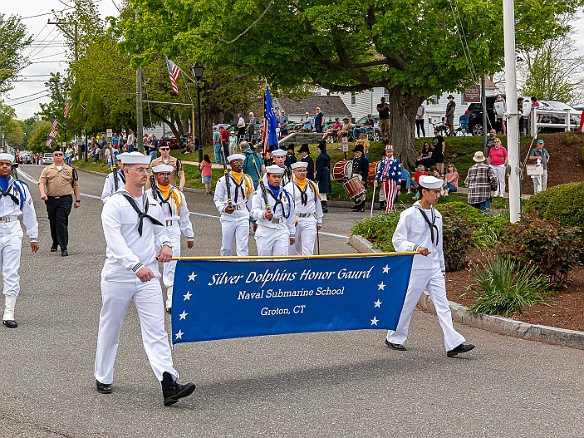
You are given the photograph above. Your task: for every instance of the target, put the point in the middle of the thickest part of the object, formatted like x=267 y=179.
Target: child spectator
x=206 y=173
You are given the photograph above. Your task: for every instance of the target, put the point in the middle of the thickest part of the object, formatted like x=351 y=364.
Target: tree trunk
x=402 y=132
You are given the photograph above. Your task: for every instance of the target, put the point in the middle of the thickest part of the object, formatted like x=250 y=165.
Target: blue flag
x=231 y=299
x=271 y=123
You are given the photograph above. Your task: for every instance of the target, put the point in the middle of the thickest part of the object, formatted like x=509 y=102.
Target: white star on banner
x=377 y=303
x=187 y=296
x=386 y=269
x=381 y=286
x=183 y=315
x=192 y=276
x=374 y=321
x=179 y=334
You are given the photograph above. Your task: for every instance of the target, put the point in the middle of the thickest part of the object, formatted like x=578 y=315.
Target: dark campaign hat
x=358 y=148
x=290 y=147
x=304 y=148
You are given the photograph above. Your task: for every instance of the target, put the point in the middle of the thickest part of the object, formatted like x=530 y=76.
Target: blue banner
x=231 y=299
x=271 y=122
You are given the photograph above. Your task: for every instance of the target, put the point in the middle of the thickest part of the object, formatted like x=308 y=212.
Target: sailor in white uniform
x=420 y=229
x=279 y=160
x=15 y=201
x=176 y=218
x=273 y=209
x=308 y=209
x=231 y=197
x=133 y=225
x=114 y=180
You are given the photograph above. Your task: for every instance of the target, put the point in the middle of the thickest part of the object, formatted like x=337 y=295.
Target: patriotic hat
x=7 y=157
x=136 y=158
x=161 y=168
x=279 y=153
x=430 y=182
x=299 y=165
x=389 y=148
x=234 y=157
x=276 y=170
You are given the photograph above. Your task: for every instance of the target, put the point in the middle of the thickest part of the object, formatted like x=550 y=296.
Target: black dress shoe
x=10 y=323
x=398 y=347
x=64 y=253
x=53 y=249
x=103 y=388
x=172 y=391
x=462 y=348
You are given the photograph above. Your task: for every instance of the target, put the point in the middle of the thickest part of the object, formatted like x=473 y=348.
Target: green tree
x=59 y=87
x=12 y=40
x=37 y=141
x=15 y=134
x=413 y=49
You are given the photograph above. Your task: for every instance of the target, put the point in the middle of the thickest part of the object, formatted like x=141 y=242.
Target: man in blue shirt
x=318 y=119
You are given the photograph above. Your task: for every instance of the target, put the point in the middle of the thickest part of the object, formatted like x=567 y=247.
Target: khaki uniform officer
x=57 y=184
x=178 y=173
x=133 y=229
x=176 y=219
x=15 y=202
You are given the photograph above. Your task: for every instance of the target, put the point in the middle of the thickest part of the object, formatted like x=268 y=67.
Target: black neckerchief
x=238 y=186
x=9 y=194
x=303 y=194
x=118 y=174
x=157 y=195
x=141 y=215
x=278 y=201
x=432 y=224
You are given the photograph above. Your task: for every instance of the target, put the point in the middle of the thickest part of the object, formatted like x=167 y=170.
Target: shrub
x=458 y=231
x=502 y=287
x=378 y=229
x=562 y=202
x=552 y=249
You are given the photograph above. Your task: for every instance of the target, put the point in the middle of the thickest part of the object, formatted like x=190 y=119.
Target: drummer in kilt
x=360 y=168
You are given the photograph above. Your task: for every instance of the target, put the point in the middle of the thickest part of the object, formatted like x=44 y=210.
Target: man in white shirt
x=177 y=221
x=15 y=201
x=133 y=226
x=114 y=180
x=420 y=229
x=308 y=209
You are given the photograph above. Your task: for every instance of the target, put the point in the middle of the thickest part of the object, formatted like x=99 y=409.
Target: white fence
x=537 y=118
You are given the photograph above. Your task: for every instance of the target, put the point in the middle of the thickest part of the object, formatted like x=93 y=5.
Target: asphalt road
x=341 y=384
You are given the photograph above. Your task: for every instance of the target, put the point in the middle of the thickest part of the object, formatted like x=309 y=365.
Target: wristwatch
x=78 y=201
x=169 y=244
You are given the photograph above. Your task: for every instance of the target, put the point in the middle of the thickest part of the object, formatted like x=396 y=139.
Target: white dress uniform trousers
x=308 y=217
x=126 y=252
x=273 y=237
x=412 y=232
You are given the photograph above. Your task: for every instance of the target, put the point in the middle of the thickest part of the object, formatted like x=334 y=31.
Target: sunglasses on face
x=58 y=155
x=164 y=149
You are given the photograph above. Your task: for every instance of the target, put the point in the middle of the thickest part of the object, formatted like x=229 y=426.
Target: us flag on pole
x=174 y=73
x=49 y=141
x=54 y=128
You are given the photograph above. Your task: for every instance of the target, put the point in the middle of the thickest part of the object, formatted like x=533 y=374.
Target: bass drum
x=373 y=168
x=354 y=188
x=342 y=171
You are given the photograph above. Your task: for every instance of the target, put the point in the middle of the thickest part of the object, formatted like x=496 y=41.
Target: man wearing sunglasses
x=57 y=183
x=169 y=160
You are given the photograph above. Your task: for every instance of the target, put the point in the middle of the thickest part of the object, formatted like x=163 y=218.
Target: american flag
x=49 y=141
x=66 y=110
x=174 y=73
x=54 y=128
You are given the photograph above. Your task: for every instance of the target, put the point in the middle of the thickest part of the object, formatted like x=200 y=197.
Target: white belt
x=238 y=207
x=305 y=214
x=277 y=220
x=8 y=218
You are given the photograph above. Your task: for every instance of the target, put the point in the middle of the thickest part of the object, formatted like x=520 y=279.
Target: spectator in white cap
x=176 y=218
x=279 y=156
x=130 y=273
x=15 y=201
x=307 y=207
x=273 y=210
x=114 y=180
x=232 y=193
x=420 y=229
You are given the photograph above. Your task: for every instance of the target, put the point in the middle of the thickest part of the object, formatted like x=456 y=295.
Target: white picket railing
x=537 y=113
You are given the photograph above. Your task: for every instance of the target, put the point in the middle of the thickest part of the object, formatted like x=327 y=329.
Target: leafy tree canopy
x=12 y=40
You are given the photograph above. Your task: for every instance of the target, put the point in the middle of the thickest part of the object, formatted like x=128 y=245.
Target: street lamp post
x=198 y=71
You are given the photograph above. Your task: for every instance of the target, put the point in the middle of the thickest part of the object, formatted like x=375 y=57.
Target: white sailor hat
x=7 y=157
x=430 y=182
x=299 y=165
x=161 y=168
x=121 y=157
x=279 y=153
x=233 y=157
x=136 y=158
x=277 y=170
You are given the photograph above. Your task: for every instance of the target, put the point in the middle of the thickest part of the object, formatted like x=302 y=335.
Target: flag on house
x=270 y=123
x=53 y=132
x=174 y=73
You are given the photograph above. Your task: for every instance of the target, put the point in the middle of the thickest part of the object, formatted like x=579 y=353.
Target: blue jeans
x=483 y=206
x=217 y=153
x=451 y=187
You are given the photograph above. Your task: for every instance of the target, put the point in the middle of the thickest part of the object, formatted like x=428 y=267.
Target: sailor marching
x=279 y=156
x=114 y=180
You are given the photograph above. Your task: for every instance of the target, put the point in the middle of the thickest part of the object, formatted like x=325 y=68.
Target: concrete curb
x=496 y=324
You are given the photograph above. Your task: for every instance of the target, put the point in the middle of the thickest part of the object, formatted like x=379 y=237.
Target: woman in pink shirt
x=206 y=173
x=450 y=179
x=498 y=162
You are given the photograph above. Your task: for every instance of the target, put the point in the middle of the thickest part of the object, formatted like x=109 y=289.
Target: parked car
x=47 y=158
x=475 y=115
x=376 y=135
x=553 y=105
x=168 y=140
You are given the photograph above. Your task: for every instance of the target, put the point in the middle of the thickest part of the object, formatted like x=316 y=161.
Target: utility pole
x=139 y=113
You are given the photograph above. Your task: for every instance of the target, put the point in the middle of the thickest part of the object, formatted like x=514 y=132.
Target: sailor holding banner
x=308 y=209
x=176 y=215
x=232 y=193
x=420 y=229
x=133 y=227
x=114 y=180
x=273 y=209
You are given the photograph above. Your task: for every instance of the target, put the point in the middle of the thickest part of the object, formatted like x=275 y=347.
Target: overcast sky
x=47 y=52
